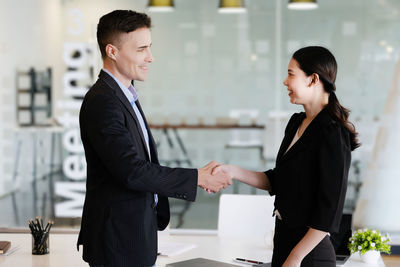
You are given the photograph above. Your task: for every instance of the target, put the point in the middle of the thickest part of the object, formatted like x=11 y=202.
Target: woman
x=310 y=176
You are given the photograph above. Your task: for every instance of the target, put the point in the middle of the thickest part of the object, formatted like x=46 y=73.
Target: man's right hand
x=213 y=183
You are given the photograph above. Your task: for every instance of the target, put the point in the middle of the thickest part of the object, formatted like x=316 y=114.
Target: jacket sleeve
x=106 y=132
x=271 y=178
x=333 y=166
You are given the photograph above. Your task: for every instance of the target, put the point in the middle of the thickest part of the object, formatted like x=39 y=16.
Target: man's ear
x=111 y=51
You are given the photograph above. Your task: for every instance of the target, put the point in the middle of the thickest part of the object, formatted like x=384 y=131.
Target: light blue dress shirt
x=132 y=95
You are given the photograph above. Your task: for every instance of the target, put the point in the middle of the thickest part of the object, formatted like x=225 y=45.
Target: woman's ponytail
x=341 y=115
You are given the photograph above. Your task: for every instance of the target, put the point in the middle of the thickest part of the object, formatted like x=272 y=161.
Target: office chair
x=247 y=217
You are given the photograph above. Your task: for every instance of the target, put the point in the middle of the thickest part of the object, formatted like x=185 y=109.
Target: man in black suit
x=126 y=192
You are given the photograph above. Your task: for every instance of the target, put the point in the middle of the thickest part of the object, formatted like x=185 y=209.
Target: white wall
x=30 y=37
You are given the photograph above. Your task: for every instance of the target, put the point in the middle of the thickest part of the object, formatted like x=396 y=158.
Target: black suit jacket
x=310 y=179
x=119 y=221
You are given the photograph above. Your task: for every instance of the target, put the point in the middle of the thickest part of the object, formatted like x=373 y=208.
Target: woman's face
x=298 y=84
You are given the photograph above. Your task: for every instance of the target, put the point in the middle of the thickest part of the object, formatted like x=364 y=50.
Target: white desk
x=63 y=251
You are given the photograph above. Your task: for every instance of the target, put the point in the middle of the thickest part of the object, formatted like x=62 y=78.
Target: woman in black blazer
x=310 y=176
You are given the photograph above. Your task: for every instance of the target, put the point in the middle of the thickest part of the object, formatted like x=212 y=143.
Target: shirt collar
x=129 y=92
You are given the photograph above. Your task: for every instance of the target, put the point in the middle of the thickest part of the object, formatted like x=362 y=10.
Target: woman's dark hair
x=319 y=60
x=111 y=25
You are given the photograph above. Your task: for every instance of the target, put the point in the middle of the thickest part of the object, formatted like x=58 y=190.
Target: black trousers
x=285 y=239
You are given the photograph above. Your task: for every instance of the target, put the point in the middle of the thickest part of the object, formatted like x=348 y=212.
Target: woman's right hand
x=228 y=169
x=256 y=179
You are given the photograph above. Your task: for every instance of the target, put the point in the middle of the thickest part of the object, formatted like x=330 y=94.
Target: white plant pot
x=371 y=256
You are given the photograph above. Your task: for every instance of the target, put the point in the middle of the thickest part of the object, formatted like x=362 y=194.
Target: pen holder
x=40 y=244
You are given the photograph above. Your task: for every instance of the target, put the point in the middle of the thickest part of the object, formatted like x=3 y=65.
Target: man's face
x=133 y=55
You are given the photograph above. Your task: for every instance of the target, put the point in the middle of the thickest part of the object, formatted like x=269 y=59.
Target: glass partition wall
x=211 y=71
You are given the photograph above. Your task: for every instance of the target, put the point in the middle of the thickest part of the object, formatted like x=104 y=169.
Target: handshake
x=213 y=177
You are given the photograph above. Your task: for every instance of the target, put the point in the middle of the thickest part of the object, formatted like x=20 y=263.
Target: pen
x=47 y=226
x=38 y=223
x=51 y=223
x=249 y=261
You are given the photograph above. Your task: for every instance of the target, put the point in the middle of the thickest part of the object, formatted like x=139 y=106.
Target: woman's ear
x=314 y=79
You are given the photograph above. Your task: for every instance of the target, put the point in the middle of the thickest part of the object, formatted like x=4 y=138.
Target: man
x=126 y=191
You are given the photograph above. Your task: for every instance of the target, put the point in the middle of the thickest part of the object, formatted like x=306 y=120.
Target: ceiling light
x=160 y=5
x=302 y=4
x=231 y=6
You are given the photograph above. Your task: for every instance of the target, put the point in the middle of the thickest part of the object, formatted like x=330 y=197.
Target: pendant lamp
x=231 y=6
x=160 y=5
x=302 y=4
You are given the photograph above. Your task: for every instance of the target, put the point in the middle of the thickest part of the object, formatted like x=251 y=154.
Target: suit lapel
x=118 y=92
x=152 y=144
x=289 y=135
x=302 y=143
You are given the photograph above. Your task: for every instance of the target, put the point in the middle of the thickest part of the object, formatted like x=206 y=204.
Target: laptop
x=263 y=265
x=200 y=262
x=340 y=240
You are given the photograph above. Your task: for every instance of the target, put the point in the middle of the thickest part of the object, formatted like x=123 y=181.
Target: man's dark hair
x=116 y=22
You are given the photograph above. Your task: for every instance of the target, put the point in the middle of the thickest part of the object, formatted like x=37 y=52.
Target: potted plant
x=369 y=243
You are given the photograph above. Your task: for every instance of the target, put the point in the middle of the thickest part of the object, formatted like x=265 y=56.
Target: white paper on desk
x=11 y=250
x=173 y=249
